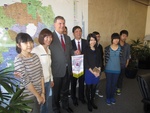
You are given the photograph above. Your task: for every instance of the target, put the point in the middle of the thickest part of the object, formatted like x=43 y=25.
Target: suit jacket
x=60 y=58
x=83 y=45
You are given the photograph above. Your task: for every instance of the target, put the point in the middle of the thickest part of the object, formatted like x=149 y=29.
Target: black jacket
x=92 y=58
x=102 y=55
x=83 y=45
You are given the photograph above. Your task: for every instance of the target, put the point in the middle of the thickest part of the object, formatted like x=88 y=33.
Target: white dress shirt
x=76 y=41
x=59 y=36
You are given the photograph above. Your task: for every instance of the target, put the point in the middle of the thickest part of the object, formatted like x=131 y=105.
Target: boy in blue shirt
x=124 y=59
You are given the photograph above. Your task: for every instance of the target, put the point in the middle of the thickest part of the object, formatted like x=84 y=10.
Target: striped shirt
x=31 y=72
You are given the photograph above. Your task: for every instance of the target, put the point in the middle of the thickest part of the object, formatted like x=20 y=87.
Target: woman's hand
x=17 y=74
x=40 y=99
x=43 y=96
x=52 y=84
x=96 y=74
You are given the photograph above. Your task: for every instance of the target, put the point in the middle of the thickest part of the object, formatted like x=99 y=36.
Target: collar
x=40 y=46
x=59 y=34
x=77 y=40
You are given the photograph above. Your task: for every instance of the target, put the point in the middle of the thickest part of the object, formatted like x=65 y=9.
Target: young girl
x=112 y=67
x=92 y=69
x=31 y=74
x=42 y=50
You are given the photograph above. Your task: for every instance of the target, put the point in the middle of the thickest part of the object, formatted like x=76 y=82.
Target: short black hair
x=76 y=27
x=124 y=32
x=22 y=37
x=96 y=33
x=114 y=36
x=91 y=35
x=66 y=28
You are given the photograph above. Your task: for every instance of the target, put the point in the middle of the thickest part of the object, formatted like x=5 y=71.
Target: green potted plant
x=132 y=69
x=144 y=57
x=140 y=57
x=11 y=101
x=141 y=53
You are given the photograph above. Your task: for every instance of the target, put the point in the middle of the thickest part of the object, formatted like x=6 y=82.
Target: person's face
x=48 y=40
x=65 y=31
x=98 y=37
x=26 y=46
x=92 y=42
x=123 y=37
x=59 y=25
x=77 y=34
x=115 y=41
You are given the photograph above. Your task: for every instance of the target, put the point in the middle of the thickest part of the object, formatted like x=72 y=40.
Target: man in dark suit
x=78 y=44
x=61 y=51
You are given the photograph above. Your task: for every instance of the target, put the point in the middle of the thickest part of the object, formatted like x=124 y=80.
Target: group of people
x=49 y=65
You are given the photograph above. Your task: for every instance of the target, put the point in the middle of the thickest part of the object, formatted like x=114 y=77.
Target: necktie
x=79 y=46
x=62 y=43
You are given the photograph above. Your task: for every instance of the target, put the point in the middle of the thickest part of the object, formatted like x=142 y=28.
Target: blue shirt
x=125 y=55
x=113 y=64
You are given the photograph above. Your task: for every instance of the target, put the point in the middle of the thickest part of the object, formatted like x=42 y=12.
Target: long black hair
x=91 y=35
x=22 y=37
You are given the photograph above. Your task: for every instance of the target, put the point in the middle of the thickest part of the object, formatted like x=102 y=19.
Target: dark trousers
x=120 y=79
x=111 y=82
x=35 y=105
x=98 y=85
x=80 y=89
x=90 y=92
x=61 y=87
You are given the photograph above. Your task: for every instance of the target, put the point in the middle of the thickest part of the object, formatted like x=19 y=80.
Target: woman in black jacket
x=92 y=63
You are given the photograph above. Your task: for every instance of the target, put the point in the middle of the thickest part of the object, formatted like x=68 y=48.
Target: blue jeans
x=111 y=82
x=45 y=106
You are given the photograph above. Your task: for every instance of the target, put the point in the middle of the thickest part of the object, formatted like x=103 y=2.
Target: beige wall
x=108 y=16
x=147 y=31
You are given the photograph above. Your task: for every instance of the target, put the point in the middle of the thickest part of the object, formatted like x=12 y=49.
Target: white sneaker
x=97 y=91
x=100 y=95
